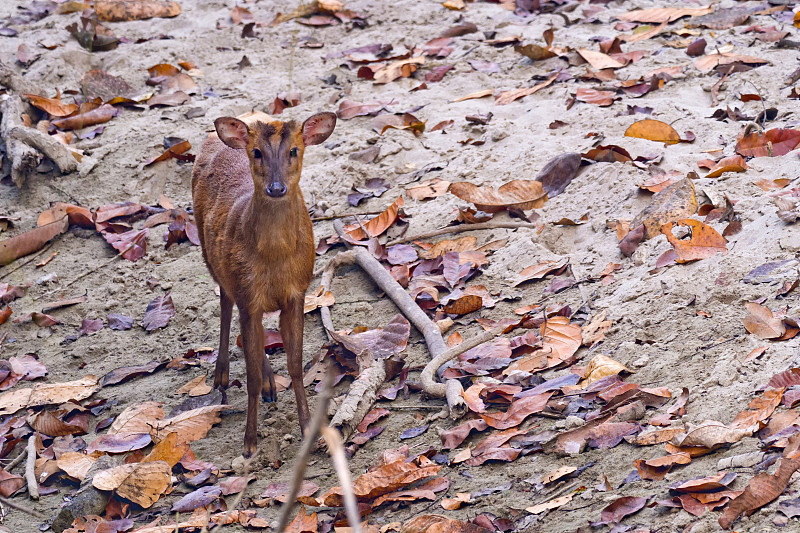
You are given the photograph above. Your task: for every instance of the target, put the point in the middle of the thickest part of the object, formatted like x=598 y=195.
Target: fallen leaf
x=53 y=106
x=759 y=409
x=119 y=442
x=676 y=202
x=710 y=434
x=515 y=194
x=601 y=366
x=31 y=241
x=711 y=61
x=317 y=299
x=620 y=508
x=377 y=225
x=126 y=373
x=475 y=95
x=653 y=130
x=659 y=15
x=132 y=244
x=772 y=143
x=189 y=425
x=440 y=524
x=507 y=97
x=141 y=483
x=158 y=313
x=558 y=173
x=125 y=10
x=540 y=270
x=764 y=487
x=517 y=412
x=734 y=163
x=101 y=115
x=76 y=464
x=48 y=393
x=599 y=60
x=199 y=498
x=428 y=189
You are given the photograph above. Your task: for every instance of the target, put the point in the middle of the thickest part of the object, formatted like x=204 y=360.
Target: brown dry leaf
x=76 y=464
x=303 y=523
x=463 y=244
x=141 y=483
x=428 y=189
x=595 y=330
x=593 y=96
x=196 y=387
x=318 y=298
x=382 y=480
x=518 y=194
x=54 y=106
x=709 y=62
x=478 y=94
x=660 y=15
x=377 y=225
x=137 y=418
x=762 y=323
x=759 y=409
x=463 y=305
x=601 y=366
x=167 y=450
x=189 y=425
x=704 y=242
x=31 y=241
x=124 y=10
x=653 y=130
x=734 y=163
x=451 y=504
x=551 y=504
x=507 y=97
x=675 y=202
x=772 y=143
x=656 y=436
x=101 y=115
x=599 y=60
x=710 y=434
x=540 y=270
x=48 y=393
x=519 y=411
x=560 y=339
x=440 y=524
x=764 y=487
x=399 y=69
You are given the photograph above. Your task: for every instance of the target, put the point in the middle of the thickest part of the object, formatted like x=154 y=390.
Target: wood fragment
x=30 y=474
x=301 y=461
x=491 y=224
x=336 y=450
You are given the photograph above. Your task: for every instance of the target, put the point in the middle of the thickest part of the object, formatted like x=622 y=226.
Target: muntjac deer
x=258 y=242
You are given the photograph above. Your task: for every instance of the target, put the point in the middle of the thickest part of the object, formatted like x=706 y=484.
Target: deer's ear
x=232 y=131
x=318 y=127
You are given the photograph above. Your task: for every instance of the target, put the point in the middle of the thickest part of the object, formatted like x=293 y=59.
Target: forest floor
x=675 y=326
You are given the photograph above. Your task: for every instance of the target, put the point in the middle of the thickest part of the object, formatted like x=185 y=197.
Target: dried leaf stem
x=491 y=224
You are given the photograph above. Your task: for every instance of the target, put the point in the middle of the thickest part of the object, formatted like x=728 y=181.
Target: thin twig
x=301 y=461
x=336 y=449
x=18 y=507
x=17 y=460
x=30 y=473
x=344 y=215
x=43 y=250
x=92 y=271
x=492 y=224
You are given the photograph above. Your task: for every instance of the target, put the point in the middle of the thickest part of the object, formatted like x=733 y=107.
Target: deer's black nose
x=276 y=189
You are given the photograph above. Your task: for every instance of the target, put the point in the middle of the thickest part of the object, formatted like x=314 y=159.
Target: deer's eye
x=257 y=153
x=293 y=152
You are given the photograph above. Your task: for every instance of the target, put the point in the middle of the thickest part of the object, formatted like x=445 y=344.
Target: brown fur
x=259 y=249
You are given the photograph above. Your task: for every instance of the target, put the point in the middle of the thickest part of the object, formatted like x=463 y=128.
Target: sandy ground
x=656 y=331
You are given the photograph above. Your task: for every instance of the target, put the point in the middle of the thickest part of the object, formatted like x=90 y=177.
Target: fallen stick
x=17 y=460
x=491 y=224
x=30 y=473
x=301 y=461
x=18 y=507
x=336 y=450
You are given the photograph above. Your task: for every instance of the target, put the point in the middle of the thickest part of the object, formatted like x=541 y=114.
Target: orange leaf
x=760 y=409
x=761 y=323
x=734 y=163
x=509 y=96
x=54 y=106
x=377 y=225
x=653 y=130
x=705 y=241
x=30 y=241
